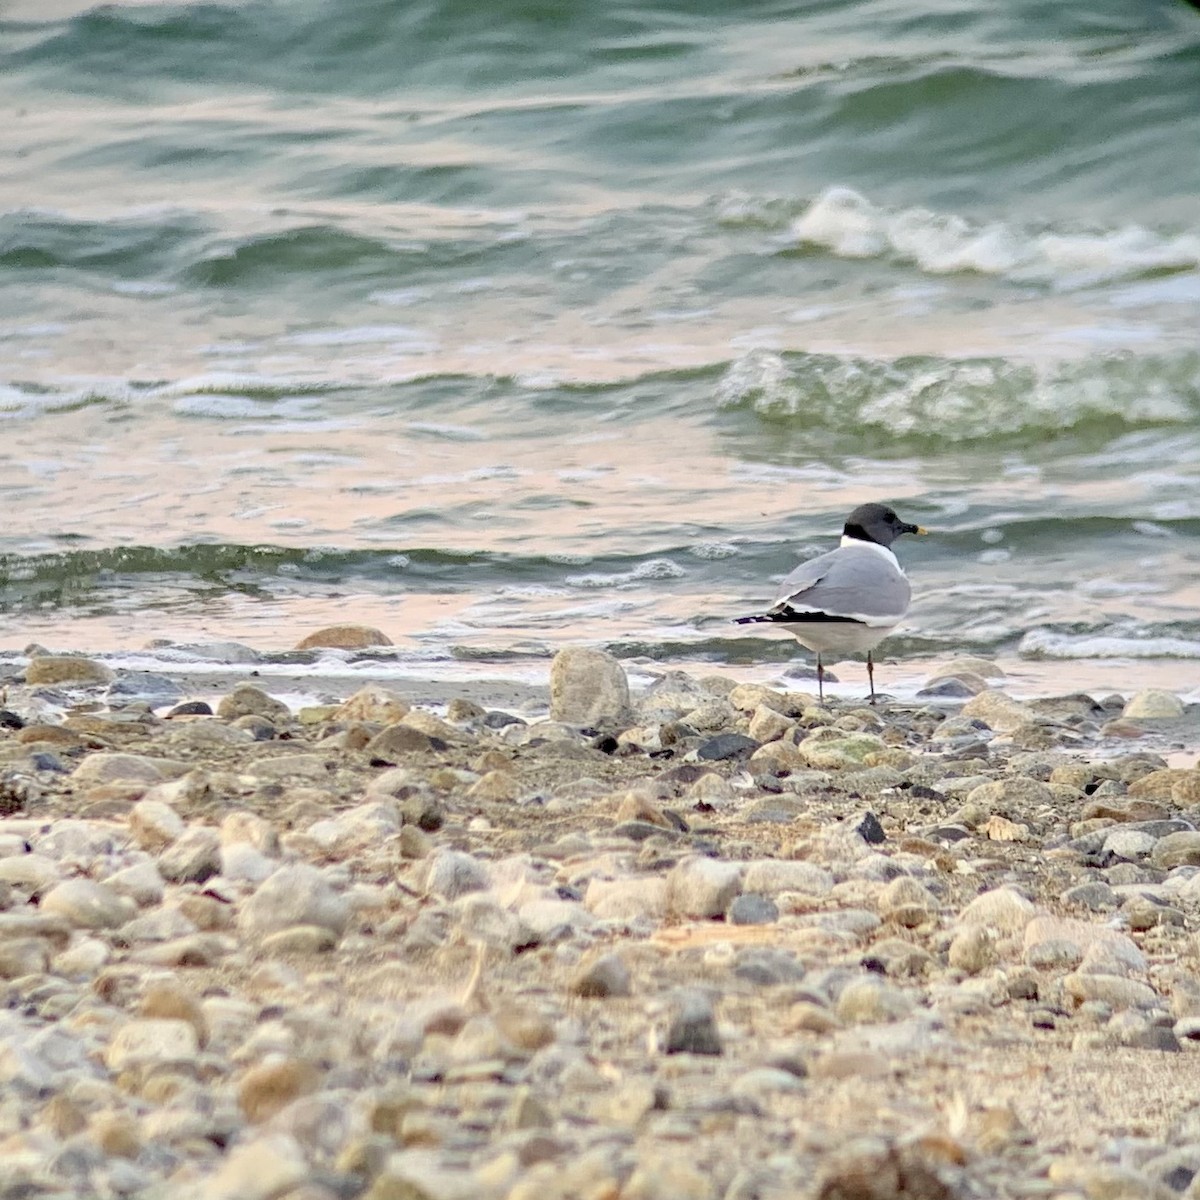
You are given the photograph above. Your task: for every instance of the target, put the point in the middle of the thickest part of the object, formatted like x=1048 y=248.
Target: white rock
x=1154 y=704
x=29 y=872
x=83 y=840
x=771 y=876
x=251 y=828
x=105 y=767
x=452 y=873
x=627 y=899
x=293 y=895
x=703 y=887
x=193 y=857
x=259 y=1170
x=155 y=825
x=151 y=1040
x=141 y=882
x=241 y=861
x=365 y=825
x=588 y=687
x=998 y=711
x=87 y=905
x=1002 y=908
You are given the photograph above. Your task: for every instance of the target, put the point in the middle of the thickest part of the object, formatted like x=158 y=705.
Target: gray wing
x=860 y=585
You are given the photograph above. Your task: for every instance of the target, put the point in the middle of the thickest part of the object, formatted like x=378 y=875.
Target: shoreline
x=702 y=939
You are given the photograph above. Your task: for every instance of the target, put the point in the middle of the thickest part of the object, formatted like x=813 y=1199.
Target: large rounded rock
x=1154 y=704
x=998 y=711
x=588 y=687
x=247 y=700
x=46 y=670
x=87 y=905
x=344 y=637
x=703 y=887
x=293 y=895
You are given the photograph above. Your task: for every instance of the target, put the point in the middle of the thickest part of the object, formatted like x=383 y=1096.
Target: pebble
x=692 y=1028
x=293 y=895
x=1153 y=704
x=603 y=977
x=588 y=688
x=344 y=637
x=703 y=887
x=87 y=905
x=47 y=670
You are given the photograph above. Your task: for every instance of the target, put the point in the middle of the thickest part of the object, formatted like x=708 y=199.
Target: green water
x=515 y=324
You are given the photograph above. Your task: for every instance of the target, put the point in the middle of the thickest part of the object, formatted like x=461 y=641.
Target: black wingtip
x=749 y=620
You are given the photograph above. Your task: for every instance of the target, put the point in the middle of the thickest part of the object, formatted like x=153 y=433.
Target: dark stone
x=751 y=908
x=425 y=812
x=191 y=708
x=948 y=688
x=950 y=833
x=498 y=720
x=43 y=761
x=155 y=690
x=767 y=966
x=693 y=1027
x=10 y=720
x=639 y=831
x=606 y=743
x=869 y=829
x=726 y=746
x=1155 y=1037
x=676 y=820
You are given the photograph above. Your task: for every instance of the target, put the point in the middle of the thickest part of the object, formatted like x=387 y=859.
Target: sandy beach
x=700 y=937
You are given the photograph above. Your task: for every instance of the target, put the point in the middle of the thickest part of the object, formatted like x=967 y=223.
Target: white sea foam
x=1048 y=643
x=849 y=225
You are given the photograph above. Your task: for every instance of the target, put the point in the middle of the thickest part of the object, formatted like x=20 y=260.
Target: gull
x=850 y=599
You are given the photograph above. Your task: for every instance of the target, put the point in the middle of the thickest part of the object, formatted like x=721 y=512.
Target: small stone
x=1153 y=704
x=145 y=1040
x=193 y=857
x=293 y=895
x=771 y=876
x=191 y=708
x=246 y=700
x=767 y=725
x=373 y=704
x=588 y=688
x=168 y=1001
x=1014 y=792
x=496 y=787
x=998 y=711
x=752 y=908
x=869 y=829
x=266 y=1168
x=87 y=905
x=1003 y=909
x=344 y=637
x=46 y=670
x=23 y=956
x=397 y=741
x=872 y=1001
x=726 y=746
x=603 y=977
x=627 y=899
x=154 y=825
x=270 y=1086
x=299 y=940
x=973 y=949
x=1177 y=849
x=838 y=753
x=106 y=768
x=1113 y=990
x=703 y=887
x=451 y=873
x=693 y=1026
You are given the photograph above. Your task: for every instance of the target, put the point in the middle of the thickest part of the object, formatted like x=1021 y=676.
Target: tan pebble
x=50 y=735
x=299 y=939
x=1001 y=829
x=155 y=825
x=783 y=753
x=462 y=709
x=267 y=1088
x=63 y=1117
x=1158 y=785
x=246 y=700
x=208 y=913
x=768 y=725
x=1186 y=790
x=997 y=710
x=635 y=806
x=524 y=1029
x=747 y=697
x=849 y=1064
x=806 y=1017
x=973 y=949
x=65 y=668
x=105 y=767
x=414 y=842
x=116 y=1134
x=972 y=665
x=373 y=704
x=1153 y=704
x=396 y=741
x=344 y=637
x=495 y=786
x=23 y=956
x=172 y=1002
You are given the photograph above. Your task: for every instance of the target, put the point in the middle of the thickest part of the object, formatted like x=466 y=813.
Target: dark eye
x=890 y=516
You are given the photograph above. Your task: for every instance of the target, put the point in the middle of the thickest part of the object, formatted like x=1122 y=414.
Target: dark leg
x=820 y=681
x=871 y=675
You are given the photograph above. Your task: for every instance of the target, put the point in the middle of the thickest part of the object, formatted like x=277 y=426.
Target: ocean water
x=504 y=326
